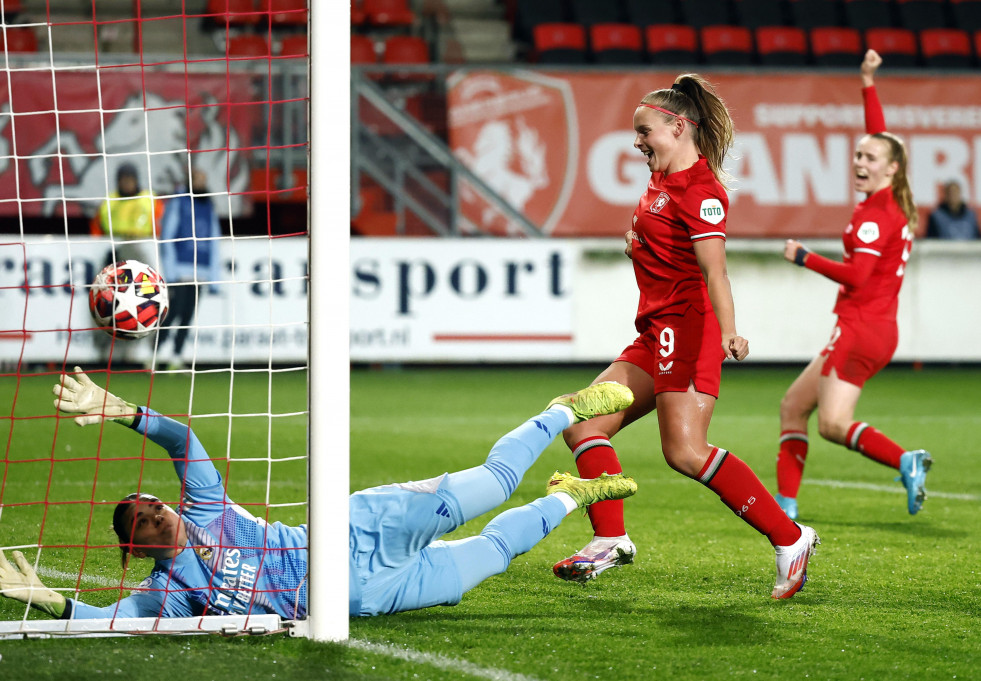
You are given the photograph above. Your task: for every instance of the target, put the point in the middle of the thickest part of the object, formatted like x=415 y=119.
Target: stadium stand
x=966 y=14
x=286 y=13
x=836 y=46
x=362 y=49
x=388 y=12
x=247 y=45
x=727 y=45
x=296 y=46
x=405 y=49
x=671 y=44
x=946 y=48
x=19 y=40
x=917 y=15
x=233 y=13
x=808 y=14
x=591 y=12
x=531 y=13
x=702 y=13
x=560 y=43
x=616 y=44
x=896 y=45
x=781 y=45
x=646 y=13
x=866 y=14
x=757 y=13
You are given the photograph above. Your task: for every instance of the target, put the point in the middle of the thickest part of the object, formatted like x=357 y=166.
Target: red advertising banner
x=64 y=133
x=559 y=146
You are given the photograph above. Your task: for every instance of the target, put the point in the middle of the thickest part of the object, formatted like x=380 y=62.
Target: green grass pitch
x=889 y=597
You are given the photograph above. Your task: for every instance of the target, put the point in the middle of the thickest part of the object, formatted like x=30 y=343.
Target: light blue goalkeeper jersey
x=234 y=563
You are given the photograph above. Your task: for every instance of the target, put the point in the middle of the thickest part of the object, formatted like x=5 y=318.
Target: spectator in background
x=953 y=219
x=188 y=257
x=128 y=216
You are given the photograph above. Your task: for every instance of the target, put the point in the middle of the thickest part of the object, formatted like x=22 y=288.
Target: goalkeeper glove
x=84 y=397
x=22 y=584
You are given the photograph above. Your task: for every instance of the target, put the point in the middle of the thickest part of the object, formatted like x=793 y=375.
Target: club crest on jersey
x=868 y=232
x=712 y=211
x=660 y=202
x=205 y=552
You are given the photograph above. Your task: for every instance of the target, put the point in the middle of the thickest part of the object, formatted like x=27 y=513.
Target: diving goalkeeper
x=212 y=557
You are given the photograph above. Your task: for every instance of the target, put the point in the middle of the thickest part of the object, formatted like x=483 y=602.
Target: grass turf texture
x=890 y=596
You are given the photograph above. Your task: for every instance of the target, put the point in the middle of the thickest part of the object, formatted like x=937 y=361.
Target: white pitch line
x=436 y=660
x=86 y=578
x=895 y=489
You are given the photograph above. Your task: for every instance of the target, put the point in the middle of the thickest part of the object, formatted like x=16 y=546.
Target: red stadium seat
x=616 y=43
x=896 y=45
x=249 y=45
x=672 y=44
x=358 y=16
x=285 y=12
x=296 y=46
x=560 y=43
x=19 y=40
x=232 y=12
x=727 y=45
x=406 y=49
x=946 y=48
x=781 y=45
x=836 y=46
x=388 y=12
x=362 y=50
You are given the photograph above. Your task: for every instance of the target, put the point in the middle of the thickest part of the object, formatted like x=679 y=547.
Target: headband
x=670 y=113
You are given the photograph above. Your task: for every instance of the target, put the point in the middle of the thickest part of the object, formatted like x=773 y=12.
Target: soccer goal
x=198 y=141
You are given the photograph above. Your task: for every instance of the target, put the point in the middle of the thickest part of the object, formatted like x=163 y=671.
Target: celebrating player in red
x=687 y=327
x=877 y=244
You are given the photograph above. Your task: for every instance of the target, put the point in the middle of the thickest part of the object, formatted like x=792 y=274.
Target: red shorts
x=859 y=349
x=678 y=350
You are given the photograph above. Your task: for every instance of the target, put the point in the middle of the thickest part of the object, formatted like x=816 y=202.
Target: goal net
x=178 y=138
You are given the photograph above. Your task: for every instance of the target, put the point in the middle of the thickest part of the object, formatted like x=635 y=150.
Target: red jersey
x=878 y=228
x=675 y=211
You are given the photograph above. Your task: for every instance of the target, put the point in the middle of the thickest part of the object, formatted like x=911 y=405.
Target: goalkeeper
x=212 y=557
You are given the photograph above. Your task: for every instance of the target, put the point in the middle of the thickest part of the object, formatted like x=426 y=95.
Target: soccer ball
x=128 y=299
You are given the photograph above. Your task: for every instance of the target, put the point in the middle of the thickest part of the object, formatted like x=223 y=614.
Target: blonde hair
x=900 y=182
x=692 y=97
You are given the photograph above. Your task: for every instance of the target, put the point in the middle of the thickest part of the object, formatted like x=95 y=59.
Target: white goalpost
x=258 y=367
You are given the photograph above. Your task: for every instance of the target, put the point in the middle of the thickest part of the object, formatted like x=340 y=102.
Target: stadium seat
x=232 y=12
x=866 y=14
x=285 y=12
x=725 y=45
x=966 y=14
x=896 y=45
x=616 y=43
x=560 y=43
x=781 y=45
x=590 y=12
x=358 y=17
x=19 y=40
x=671 y=44
x=756 y=13
x=946 y=48
x=296 y=46
x=388 y=12
x=917 y=15
x=248 y=45
x=363 y=50
x=530 y=13
x=646 y=13
x=701 y=13
x=836 y=46
x=407 y=49
x=808 y=14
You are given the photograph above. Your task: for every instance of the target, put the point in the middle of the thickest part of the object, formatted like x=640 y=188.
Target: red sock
x=739 y=488
x=790 y=462
x=866 y=440
x=595 y=456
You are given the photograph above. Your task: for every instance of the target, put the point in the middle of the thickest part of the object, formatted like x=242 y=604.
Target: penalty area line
x=895 y=489
x=437 y=660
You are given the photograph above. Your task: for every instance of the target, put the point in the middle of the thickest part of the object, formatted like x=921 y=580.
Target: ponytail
x=901 y=191
x=693 y=98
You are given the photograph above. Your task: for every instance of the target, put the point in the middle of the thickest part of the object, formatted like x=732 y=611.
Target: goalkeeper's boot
x=598 y=556
x=788 y=504
x=792 y=563
x=913 y=467
x=599 y=399
x=588 y=491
